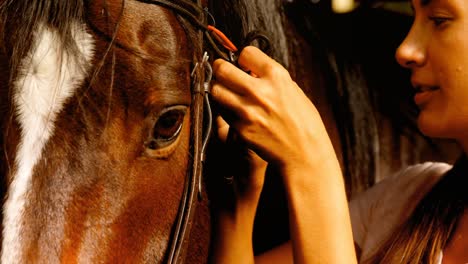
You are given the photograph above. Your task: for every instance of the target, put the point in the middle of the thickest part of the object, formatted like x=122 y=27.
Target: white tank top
x=377 y=212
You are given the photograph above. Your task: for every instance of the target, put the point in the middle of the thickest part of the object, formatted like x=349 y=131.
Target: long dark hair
x=422 y=237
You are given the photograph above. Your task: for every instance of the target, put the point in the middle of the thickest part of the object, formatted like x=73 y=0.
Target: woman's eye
x=167 y=127
x=438 y=21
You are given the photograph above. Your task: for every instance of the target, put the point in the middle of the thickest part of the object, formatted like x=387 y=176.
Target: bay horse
x=102 y=115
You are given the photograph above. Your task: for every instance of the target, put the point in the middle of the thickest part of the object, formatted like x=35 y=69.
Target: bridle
x=195 y=13
x=201 y=76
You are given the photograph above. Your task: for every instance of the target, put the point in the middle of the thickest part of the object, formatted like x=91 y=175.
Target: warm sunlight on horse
x=96 y=117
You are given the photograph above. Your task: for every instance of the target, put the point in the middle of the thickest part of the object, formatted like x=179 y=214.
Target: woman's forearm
x=320 y=224
x=233 y=234
x=234 y=224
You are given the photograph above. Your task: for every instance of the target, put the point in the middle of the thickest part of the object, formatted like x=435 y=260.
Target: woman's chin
x=431 y=127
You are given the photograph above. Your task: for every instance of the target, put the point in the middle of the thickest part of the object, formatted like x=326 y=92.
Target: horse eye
x=167 y=127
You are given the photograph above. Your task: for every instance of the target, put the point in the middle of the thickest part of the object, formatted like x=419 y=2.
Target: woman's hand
x=269 y=111
x=274 y=118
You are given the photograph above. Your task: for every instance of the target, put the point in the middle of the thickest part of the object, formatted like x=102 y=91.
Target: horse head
x=98 y=126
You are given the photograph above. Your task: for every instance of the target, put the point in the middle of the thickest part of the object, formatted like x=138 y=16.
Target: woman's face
x=436 y=52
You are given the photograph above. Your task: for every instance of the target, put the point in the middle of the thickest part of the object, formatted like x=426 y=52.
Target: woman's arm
x=237 y=198
x=282 y=254
x=275 y=119
x=318 y=213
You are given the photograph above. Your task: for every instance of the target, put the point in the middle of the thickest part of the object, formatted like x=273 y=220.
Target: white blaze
x=48 y=77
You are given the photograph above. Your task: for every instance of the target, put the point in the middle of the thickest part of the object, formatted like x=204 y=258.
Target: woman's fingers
x=257 y=62
x=231 y=76
x=254 y=107
x=225 y=97
x=223 y=129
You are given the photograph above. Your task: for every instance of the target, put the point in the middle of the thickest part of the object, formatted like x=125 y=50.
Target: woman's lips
x=424 y=93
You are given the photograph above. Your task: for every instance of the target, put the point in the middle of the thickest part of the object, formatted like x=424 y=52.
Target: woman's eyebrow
x=423 y=3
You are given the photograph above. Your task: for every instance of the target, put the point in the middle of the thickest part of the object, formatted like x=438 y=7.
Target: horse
x=102 y=130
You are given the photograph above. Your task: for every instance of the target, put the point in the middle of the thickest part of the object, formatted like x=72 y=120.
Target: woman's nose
x=411 y=51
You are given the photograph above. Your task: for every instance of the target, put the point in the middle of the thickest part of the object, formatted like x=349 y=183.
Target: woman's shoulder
x=376 y=212
x=406 y=180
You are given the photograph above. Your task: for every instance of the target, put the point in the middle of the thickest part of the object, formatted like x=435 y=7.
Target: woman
x=417 y=216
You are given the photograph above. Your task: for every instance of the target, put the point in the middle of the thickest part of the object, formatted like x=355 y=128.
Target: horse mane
x=238 y=18
x=348 y=90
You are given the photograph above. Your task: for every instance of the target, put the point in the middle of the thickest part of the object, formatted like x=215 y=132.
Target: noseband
x=201 y=75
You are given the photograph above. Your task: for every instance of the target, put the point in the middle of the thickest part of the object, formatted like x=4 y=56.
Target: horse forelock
x=44 y=79
x=19 y=21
